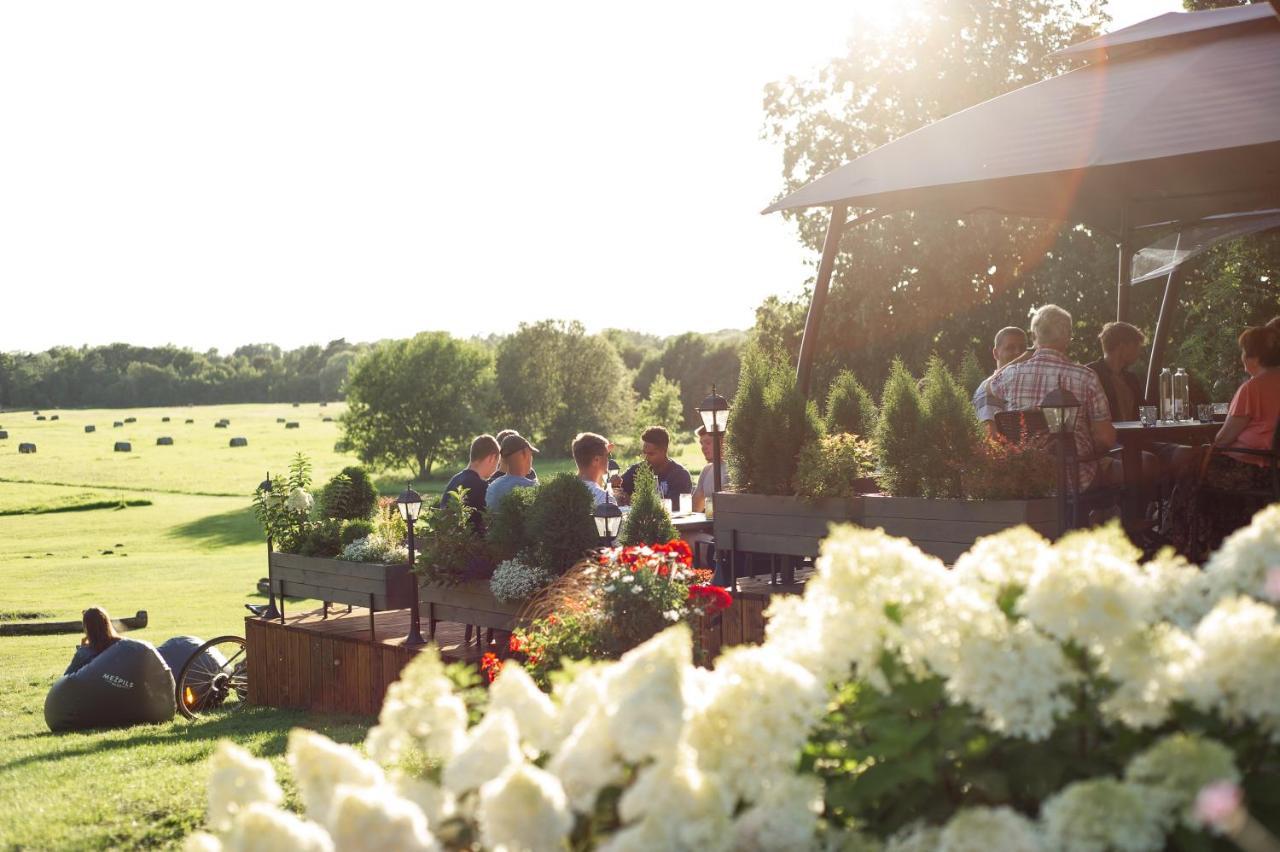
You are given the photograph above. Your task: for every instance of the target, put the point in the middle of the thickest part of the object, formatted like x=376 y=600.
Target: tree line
x=414 y=403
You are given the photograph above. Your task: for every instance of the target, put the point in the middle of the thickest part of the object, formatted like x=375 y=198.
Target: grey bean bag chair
x=127 y=684
x=178 y=650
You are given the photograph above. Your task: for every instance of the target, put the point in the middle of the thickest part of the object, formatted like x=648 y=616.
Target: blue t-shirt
x=504 y=485
x=672 y=481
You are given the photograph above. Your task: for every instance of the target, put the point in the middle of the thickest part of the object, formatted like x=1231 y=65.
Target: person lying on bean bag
x=111 y=682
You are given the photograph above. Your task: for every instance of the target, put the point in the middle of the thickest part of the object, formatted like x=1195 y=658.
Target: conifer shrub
x=648 y=522
x=349 y=495
x=952 y=432
x=356 y=529
x=508 y=533
x=561 y=523
x=835 y=466
x=971 y=373
x=850 y=407
x=900 y=434
x=771 y=423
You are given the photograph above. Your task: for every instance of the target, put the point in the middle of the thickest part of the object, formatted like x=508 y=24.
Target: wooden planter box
x=787 y=526
x=792 y=526
x=368 y=584
x=469 y=603
x=947 y=528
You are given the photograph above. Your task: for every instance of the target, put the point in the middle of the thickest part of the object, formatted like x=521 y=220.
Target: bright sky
x=212 y=174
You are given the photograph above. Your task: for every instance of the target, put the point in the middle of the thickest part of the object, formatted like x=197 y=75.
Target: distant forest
x=120 y=375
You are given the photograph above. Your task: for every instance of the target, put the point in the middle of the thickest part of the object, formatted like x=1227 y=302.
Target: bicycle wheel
x=216 y=677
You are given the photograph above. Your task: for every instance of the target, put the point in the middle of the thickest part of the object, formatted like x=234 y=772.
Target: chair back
x=1016 y=426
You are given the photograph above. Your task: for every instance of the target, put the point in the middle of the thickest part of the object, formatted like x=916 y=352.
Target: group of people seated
x=1109 y=391
x=502 y=463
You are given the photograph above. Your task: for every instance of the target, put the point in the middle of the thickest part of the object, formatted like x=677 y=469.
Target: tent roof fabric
x=1174 y=249
x=1166 y=30
x=1178 y=133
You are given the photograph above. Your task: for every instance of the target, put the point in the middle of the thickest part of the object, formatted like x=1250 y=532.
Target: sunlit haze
x=210 y=175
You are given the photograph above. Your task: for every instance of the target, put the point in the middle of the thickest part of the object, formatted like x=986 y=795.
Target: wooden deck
x=312 y=663
x=331 y=665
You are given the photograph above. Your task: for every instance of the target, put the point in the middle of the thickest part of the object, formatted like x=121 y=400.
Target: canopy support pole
x=818 y=304
x=1124 y=272
x=1168 y=307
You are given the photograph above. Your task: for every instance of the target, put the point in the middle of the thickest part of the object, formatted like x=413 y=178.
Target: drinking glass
x=666 y=505
x=708 y=508
x=1220 y=409
x=686 y=504
x=1147 y=413
x=1204 y=413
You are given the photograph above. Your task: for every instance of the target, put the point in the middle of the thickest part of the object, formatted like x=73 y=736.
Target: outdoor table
x=1134 y=438
x=694 y=522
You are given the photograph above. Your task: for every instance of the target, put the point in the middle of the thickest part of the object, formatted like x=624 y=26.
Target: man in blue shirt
x=502 y=464
x=517 y=455
x=473 y=479
x=673 y=479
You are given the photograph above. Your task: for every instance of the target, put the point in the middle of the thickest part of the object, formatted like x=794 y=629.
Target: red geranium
x=713 y=598
x=490 y=665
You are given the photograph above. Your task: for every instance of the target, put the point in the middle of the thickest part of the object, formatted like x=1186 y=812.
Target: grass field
x=191 y=559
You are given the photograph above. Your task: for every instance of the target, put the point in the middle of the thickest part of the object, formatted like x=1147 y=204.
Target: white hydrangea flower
x=784 y=818
x=299 y=502
x=672 y=805
x=1241 y=565
x=237 y=779
x=645 y=694
x=1178 y=767
x=420 y=714
x=587 y=761
x=524 y=809
x=532 y=709
x=489 y=749
x=989 y=830
x=579 y=697
x=1093 y=593
x=436 y=804
x=372 y=819
x=1019 y=682
x=1180 y=591
x=755 y=718
x=1003 y=562
x=1150 y=670
x=201 y=841
x=1103 y=814
x=915 y=838
x=1239 y=669
x=263 y=828
x=320 y=765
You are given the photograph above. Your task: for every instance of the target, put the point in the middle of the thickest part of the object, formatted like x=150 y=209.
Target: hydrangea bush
x=1034 y=697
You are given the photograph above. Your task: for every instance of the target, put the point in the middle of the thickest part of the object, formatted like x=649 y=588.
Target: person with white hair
x=1022 y=386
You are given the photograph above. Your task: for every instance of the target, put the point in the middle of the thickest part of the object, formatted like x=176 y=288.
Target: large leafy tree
x=914 y=282
x=554 y=380
x=417 y=401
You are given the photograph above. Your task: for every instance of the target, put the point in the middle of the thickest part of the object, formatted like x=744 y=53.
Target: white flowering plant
x=516 y=580
x=1033 y=697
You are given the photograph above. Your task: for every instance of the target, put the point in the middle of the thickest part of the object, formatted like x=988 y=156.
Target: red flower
x=490 y=665
x=713 y=598
x=680 y=548
x=514 y=644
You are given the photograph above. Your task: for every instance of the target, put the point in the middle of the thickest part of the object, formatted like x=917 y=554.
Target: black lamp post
x=410 y=505
x=715 y=417
x=1061 y=408
x=272 y=611
x=607 y=515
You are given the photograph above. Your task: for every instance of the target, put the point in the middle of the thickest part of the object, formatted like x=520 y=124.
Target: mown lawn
x=191 y=559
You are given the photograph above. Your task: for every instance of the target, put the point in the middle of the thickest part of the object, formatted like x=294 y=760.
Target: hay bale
x=90 y=428
x=131 y=420
x=54 y=417
x=123 y=447
x=4 y=436
x=219 y=425
x=190 y=421
x=239 y=442
x=292 y=424
x=327 y=420
x=279 y=419
x=117 y=424
x=164 y=419
x=26 y=448
x=164 y=441
x=42 y=417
